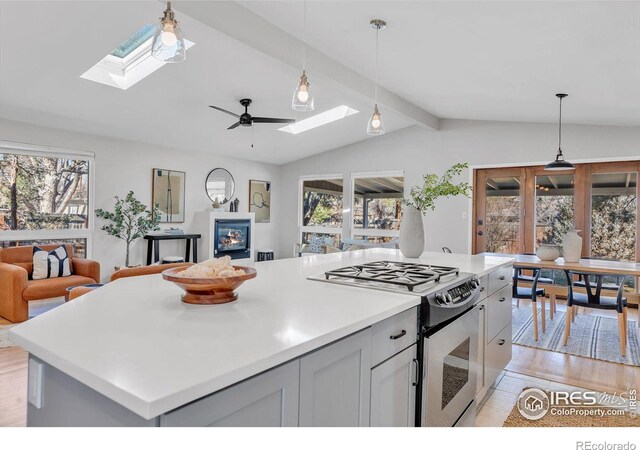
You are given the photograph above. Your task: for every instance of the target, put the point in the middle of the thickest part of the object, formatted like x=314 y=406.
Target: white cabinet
x=269 y=399
x=393 y=391
x=335 y=383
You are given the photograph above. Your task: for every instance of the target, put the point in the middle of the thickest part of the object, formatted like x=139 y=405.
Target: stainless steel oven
x=450 y=367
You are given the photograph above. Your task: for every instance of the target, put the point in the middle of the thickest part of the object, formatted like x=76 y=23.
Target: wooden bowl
x=209 y=291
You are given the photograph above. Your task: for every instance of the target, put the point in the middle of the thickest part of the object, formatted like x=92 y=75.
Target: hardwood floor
x=575 y=370
x=549 y=366
x=13 y=387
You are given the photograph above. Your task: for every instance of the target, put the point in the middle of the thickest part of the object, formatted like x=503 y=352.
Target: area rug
x=35 y=309
x=591 y=336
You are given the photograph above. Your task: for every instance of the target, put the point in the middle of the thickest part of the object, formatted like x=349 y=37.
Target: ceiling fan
x=246 y=120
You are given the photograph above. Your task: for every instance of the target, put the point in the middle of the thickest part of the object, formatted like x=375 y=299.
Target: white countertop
x=135 y=342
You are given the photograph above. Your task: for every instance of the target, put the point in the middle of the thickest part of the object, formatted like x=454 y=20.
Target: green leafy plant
x=130 y=220
x=424 y=197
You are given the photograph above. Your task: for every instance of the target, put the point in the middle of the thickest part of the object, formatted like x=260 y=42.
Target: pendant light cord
x=304 y=37
x=375 y=96
x=560 y=129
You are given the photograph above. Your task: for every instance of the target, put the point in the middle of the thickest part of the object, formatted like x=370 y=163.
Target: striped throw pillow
x=51 y=264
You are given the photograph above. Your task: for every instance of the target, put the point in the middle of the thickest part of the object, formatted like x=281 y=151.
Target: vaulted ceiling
x=471 y=60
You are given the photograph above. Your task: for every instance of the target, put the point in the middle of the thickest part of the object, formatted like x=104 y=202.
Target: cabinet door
x=393 y=391
x=269 y=399
x=334 y=383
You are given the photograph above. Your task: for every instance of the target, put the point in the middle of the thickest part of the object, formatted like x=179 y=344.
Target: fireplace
x=232 y=237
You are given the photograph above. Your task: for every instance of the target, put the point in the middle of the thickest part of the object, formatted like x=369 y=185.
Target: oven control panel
x=457 y=294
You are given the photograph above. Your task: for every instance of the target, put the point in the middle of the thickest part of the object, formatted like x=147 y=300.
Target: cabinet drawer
x=394 y=335
x=484 y=288
x=497 y=355
x=499 y=278
x=499 y=311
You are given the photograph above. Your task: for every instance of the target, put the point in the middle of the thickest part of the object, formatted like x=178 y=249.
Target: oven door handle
x=417 y=372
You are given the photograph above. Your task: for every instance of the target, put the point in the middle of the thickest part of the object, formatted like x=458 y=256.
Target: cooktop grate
x=405 y=274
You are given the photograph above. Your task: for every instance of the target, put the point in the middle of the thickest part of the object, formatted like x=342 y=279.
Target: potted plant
x=130 y=220
x=422 y=199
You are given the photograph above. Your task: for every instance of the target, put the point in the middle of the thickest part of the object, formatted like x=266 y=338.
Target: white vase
x=411 y=233
x=548 y=252
x=572 y=246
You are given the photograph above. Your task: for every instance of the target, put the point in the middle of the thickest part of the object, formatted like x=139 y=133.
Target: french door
x=516 y=209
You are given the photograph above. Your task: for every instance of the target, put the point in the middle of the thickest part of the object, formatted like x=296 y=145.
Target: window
x=45 y=196
x=130 y=62
x=377 y=206
x=321 y=209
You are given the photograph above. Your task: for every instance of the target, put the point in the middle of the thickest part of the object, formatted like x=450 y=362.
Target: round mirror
x=220 y=185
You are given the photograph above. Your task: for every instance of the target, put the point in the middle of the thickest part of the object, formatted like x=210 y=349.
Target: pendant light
x=375 y=126
x=302 y=98
x=560 y=163
x=168 y=43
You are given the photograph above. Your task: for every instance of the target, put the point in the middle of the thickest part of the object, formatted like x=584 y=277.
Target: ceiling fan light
x=302 y=98
x=168 y=43
x=375 y=127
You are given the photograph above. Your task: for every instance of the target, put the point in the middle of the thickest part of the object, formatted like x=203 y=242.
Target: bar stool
x=597 y=301
x=532 y=293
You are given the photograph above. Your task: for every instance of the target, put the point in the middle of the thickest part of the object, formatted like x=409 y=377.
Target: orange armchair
x=16 y=290
x=125 y=273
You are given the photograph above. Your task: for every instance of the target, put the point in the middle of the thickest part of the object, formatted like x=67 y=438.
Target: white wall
x=418 y=151
x=122 y=165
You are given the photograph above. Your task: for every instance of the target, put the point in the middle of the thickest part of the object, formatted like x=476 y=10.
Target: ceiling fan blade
x=235 y=125
x=272 y=120
x=225 y=111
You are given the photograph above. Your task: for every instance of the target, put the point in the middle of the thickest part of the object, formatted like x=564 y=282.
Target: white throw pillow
x=53 y=264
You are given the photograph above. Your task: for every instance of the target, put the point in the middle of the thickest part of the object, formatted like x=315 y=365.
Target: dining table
x=585 y=265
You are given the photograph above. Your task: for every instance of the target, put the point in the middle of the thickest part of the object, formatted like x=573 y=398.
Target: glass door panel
x=554 y=208
x=614 y=216
x=502 y=215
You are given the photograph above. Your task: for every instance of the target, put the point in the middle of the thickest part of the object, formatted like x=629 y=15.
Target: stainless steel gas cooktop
x=393 y=276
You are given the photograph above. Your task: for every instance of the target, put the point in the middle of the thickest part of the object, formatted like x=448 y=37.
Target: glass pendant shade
x=375 y=127
x=168 y=43
x=302 y=98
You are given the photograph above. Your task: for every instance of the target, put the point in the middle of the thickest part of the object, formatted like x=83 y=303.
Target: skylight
x=331 y=115
x=129 y=62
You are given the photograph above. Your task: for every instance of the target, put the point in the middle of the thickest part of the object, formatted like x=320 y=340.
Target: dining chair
x=532 y=293
x=593 y=298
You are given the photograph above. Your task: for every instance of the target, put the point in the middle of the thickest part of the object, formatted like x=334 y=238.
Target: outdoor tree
x=36 y=191
x=130 y=220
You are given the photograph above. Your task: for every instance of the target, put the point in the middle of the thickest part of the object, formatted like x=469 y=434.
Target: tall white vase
x=411 y=233
x=572 y=246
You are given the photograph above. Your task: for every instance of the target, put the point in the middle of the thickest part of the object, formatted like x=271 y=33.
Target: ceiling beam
x=368 y=184
x=388 y=183
x=245 y=26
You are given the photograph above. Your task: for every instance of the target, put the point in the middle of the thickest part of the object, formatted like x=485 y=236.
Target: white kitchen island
x=131 y=353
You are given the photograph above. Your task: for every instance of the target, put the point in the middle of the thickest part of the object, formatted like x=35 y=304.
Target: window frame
x=371 y=232
x=318 y=229
x=17 y=148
